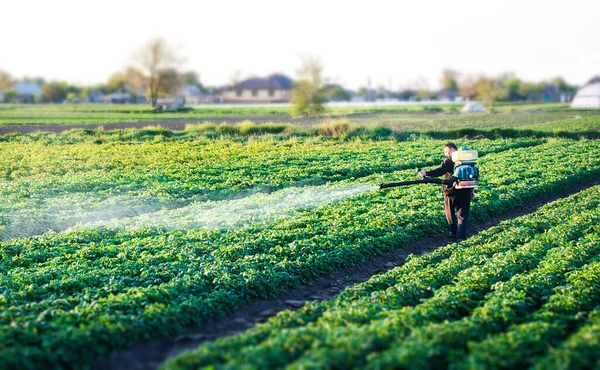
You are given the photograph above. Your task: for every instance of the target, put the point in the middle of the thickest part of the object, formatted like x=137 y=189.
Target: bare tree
x=467 y=87
x=6 y=80
x=158 y=62
x=235 y=77
x=421 y=86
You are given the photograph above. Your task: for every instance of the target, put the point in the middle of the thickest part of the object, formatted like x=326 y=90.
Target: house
x=551 y=94
x=276 y=88
x=117 y=98
x=192 y=94
x=96 y=96
x=447 y=94
x=27 y=92
x=169 y=103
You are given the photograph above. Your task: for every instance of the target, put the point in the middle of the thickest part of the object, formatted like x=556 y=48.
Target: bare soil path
x=151 y=354
x=174 y=124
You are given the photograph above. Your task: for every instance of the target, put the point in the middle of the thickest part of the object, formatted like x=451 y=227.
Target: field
x=415 y=118
x=111 y=240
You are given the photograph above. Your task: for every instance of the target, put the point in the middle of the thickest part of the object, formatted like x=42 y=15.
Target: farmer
x=456 y=201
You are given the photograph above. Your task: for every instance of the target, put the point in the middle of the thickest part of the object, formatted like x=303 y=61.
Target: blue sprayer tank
x=465 y=169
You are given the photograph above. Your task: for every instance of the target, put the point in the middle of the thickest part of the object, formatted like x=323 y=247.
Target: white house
x=193 y=95
x=588 y=96
x=172 y=103
x=27 y=92
x=276 y=88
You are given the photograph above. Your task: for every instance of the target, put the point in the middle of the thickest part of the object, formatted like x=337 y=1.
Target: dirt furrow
x=171 y=124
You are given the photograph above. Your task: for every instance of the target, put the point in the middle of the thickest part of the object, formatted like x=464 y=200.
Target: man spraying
x=457 y=198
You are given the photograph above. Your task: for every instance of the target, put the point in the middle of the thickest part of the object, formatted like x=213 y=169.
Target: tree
x=169 y=82
x=337 y=93
x=158 y=63
x=10 y=95
x=489 y=91
x=513 y=87
x=467 y=88
x=308 y=96
x=421 y=86
x=235 y=78
x=6 y=80
x=40 y=81
x=362 y=91
x=563 y=85
x=192 y=78
x=131 y=79
x=55 y=91
x=530 y=89
x=115 y=82
x=449 y=79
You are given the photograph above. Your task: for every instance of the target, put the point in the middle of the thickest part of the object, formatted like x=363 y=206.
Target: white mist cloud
x=257 y=208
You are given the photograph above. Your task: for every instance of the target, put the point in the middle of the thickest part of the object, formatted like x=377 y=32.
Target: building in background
x=589 y=95
x=551 y=94
x=193 y=95
x=448 y=95
x=27 y=92
x=276 y=88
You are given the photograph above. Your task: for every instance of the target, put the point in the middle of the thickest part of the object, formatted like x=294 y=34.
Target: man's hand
x=472 y=193
x=422 y=173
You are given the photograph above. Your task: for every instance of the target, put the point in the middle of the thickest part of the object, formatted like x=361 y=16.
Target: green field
x=415 y=117
x=522 y=294
x=111 y=239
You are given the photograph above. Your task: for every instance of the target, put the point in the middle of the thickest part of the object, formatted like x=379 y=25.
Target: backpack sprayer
x=465 y=175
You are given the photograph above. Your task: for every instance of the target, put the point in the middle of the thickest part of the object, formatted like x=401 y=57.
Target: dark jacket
x=446 y=169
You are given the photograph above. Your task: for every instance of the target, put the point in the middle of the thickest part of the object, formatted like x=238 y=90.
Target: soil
x=152 y=354
x=175 y=124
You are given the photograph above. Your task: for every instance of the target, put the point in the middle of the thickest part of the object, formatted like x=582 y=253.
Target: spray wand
x=465 y=175
x=424 y=180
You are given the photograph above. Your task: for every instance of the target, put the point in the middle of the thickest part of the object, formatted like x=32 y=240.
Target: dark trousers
x=457 y=212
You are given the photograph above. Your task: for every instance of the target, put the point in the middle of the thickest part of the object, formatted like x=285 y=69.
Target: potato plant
x=67 y=297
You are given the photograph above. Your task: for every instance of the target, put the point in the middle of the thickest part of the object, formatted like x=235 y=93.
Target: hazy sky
x=389 y=41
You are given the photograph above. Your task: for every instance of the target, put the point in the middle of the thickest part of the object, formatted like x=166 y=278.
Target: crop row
x=68 y=297
x=579 y=350
x=497 y=300
x=54 y=187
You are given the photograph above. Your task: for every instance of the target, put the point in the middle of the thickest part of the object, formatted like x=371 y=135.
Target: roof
x=275 y=81
x=588 y=96
x=593 y=80
x=190 y=90
x=447 y=91
x=27 y=88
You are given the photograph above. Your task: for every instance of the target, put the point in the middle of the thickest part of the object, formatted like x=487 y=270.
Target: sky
x=389 y=43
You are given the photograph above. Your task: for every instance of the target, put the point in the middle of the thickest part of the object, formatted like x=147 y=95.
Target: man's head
x=449 y=148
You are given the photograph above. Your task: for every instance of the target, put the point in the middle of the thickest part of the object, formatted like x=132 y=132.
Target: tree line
x=154 y=71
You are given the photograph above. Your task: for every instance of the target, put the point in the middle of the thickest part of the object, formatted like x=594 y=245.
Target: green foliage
x=337 y=93
x=68 y=297
x=192 y=78
x=9 y=95
x=489 y=92
x=308 y=95
x=502 y=299
x=55 y=92
x=307 y=99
